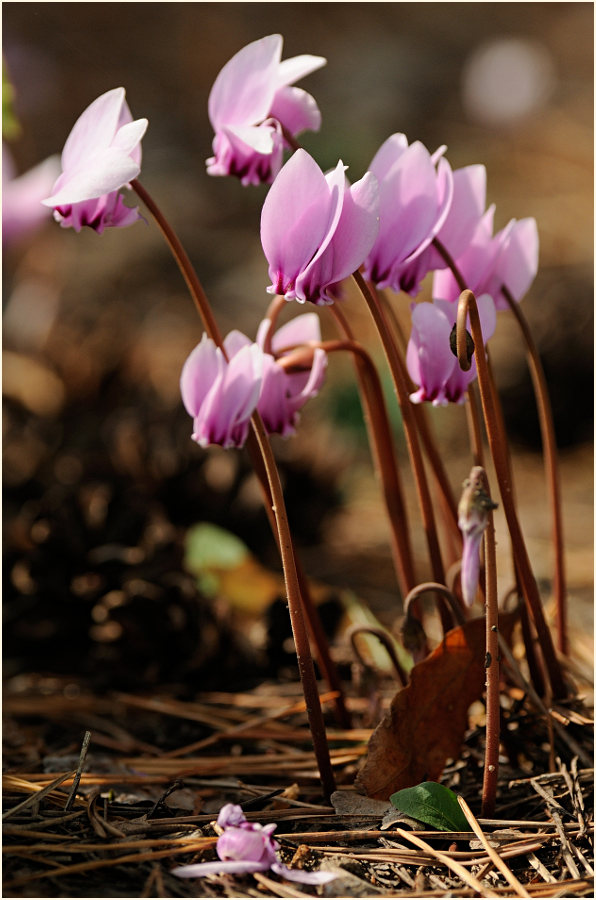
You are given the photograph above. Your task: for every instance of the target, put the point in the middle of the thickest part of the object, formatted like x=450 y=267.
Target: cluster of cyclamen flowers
x=316 y=230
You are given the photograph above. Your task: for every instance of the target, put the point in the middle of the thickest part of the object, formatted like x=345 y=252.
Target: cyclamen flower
x=415 y=195
x=473 y=514
x=221 y=396
x=508 y=258
x=247 y=847
x=467 y=208
x=293 y=372
x=430 y=360
x=102 y=154
x=22 y=211
x=252 y=102
x=316 y=229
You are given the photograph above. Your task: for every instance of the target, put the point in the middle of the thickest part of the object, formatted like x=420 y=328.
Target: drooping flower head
x=415 y=194
x=473 y=515
x=102 y=154
x=221 y=395
x=316 y=229
x=22 y=210
x=430 y=360
x=292 y=370
x=252 y=102
x=508 y=258
x=247 y=847
x=467 y=208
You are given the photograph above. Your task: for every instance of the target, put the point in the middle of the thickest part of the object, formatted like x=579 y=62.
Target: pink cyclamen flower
x=102 y=154
x=316 y=229
x=467 y=208
x=415 y=195
x=221 y=396
x=473 y=516
x=430 y=360
x=22 y=211
x=247 y=847
x=252 y=102
x=293 y=371
x=508 y=258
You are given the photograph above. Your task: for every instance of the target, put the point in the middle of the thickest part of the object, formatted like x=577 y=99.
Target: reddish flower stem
x=381 y=444
x=409 y=423
x=549 y=445
x=266 y=469
x=492 y=663
x=498 y=446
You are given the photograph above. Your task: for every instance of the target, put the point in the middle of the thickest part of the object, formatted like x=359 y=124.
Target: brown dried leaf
x=427 y=720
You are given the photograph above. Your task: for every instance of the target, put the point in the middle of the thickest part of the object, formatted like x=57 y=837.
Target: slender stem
x=491 y=753
x=549 y=445
x=411 y=434
x=498 y=446
x=184 y=264
x=443 y=590
x=430 y=448
x=381 y=443
x=266 y=470
x=303 y=655
x=386 y=641
x=474 y=426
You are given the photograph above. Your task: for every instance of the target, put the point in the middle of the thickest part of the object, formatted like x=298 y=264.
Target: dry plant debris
x=110 y=814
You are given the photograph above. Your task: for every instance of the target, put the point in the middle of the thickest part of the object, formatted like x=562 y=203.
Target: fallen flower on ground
x=246 y=847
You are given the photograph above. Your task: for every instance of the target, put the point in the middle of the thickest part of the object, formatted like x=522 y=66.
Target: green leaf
x=209 y=547
x=432 y=803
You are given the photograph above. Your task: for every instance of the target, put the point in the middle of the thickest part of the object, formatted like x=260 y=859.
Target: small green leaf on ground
x=431 y=803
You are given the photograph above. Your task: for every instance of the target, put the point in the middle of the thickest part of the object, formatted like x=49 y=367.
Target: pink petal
x=243 y=90
x=301 y=876
x=428 y=357
x=517 y=264
x=291 y=70
x=295 y=217
x=296 y=110
x=357 y=228
x=221 y=867
x=107 y=171
x=129 y=136
x=201 y=370
x=300 y=330
x=388 y=155
x=94 y=129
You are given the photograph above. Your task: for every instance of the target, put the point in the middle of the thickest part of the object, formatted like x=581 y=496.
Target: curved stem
x=303 y=655
x=498 y=446
x=549 y=445
x=262 y=460
x=436 y=588
x=411 y=434
x=384 y=638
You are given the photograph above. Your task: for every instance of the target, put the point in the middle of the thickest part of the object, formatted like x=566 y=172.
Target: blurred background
x=101 y=479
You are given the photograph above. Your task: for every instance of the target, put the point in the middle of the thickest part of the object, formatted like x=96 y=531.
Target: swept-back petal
x=130 y=135
x=94 y=130
x=428 y=357
x=102 y=173
x=357 y=228
x=388 y=155
x=296 y=67
x=301 y=876
x=223 y=867
x=243 y=90
x=300 y=330
x=202 y=369
x=296 y=110
x=517 y=263
x=294 y=219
